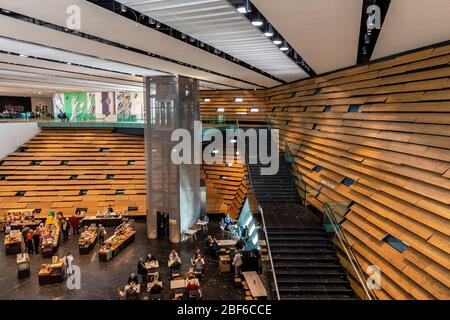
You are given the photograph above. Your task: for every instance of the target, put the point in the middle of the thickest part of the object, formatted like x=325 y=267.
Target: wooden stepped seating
x=386 y=127
x=48 y=185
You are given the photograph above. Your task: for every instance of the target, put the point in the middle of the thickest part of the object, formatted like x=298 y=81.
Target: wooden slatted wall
x=48 y=185
x=225 y=195
x=386 y=126
x=226 y=100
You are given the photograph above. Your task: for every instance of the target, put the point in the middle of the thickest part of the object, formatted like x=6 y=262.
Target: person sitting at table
x=133 y=279
x=193 y=287
x=174 y=260
x=240 y=244
x=150 y=258
x=110 y=209
x=131 y=292
x=199 y=264
x=142 y=270
x=196 y=254
x=155 y=288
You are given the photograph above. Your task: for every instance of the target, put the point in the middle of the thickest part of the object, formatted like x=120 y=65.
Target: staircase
x=304 y=258
x=306 y=265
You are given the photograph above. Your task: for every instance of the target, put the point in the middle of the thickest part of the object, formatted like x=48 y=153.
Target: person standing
x=30 y=242
x=7 y=228
x=101 y=234
x=36 y=241
x=74 y=224
x=65 y=229
x=237 y=263
x=142 y=270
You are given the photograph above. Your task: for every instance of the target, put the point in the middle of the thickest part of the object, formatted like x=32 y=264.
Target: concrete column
x=172 y=103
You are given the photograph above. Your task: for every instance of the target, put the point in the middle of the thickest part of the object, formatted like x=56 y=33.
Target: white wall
x=13 y=135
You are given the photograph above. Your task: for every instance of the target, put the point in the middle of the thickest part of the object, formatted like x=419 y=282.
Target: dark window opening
x=354 y=108
x=131 y=162
x=79 y=210
x=22 y=149
x=223 y=177
x=317 y=168
x=104 y=150
x=109 y=177
x=37 y=210
x=82 y=193
x=347 y=181
x=293 y=94
x=327 y=109
x=64 y=163
x=397 y=244
x=2 y=162
x=314 y=126
x=317 y=91
x=3 y=177
x=74 y=177
x=35 y=163
x=20 y=193
x=133 y=208
x=120 y=191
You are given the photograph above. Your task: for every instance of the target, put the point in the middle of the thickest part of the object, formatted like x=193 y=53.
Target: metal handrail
x=305 y=198
x=349 y=252
x=264 y=224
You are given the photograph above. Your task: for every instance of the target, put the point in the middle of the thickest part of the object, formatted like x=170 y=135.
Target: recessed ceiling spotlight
x=23 y=55
x=220 y=109
x=239 y=100
x=207 y=100
x=6 y=11
x=277 y=42
x=269 y=31
x=244 y=7
x=123 y=8
x=256 y=20
x=69 y=63
x=284 y=47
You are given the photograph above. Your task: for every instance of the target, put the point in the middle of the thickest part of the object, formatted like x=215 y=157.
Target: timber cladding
x=375 y=140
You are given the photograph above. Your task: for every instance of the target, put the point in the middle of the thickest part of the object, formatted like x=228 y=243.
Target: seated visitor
x=174 y=260
x=131 y=292
x=240 y=244
x=155 y=288
x=133 y=279
x=227 y=220
x=199 y=264
x=110 y=209
x=150 y=258
x=193 y=288
x=196 y=254
x=208 y=241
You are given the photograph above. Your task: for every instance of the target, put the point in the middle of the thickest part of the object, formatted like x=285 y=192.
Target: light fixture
x=233 y=140
x=23 y=55
x=123 y=8
x=284 y=47
x=158 y=25
x=254 y=110
x=269 y=31
x=244 y=7
x=229 y=164
x=366 y=39
x=207 y=100
x=223 y=177
x=220 y=110
x=241 y=113
x=256 y=20
x=39 y=93
x=277 y=42
x=6 y=11
x=238 y=99
x=215 y=151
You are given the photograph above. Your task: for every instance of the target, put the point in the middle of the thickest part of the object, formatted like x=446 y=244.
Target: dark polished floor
x=100 y=280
